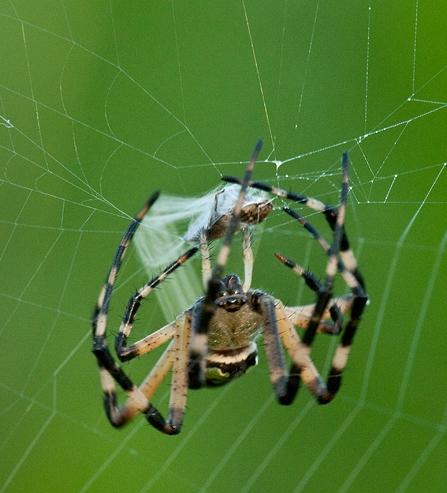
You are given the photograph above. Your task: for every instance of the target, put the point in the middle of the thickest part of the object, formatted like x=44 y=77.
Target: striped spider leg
x=247 y=253
x=263 y=310
x=356 y=301
x=302 y=366
x=341 y=259
x=138 y=397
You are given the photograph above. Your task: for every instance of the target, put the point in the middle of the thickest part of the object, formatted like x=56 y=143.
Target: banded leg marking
x=177 y=357
x=206 y=260
x=125 y=353
x=285 y=383
x=315 y=285
x=351 y=275
x=110 y=371
x=300 y=316
x=145 y=345
x=248 y=259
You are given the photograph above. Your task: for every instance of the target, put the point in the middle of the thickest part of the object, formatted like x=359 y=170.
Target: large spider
x=213 y=341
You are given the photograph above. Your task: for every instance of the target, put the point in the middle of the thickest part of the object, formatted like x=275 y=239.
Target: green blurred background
x=103 y=102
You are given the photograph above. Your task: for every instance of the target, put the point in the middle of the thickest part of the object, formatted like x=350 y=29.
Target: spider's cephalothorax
x=231 y=349
x=231 y=296
x=213 y=342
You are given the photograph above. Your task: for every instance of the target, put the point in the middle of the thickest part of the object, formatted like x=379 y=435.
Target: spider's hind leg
x=178 y=355
x=341 y=259
x=110 y=372
x=335 y=311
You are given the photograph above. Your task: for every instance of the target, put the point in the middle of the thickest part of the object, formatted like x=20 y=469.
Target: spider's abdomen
x=232 y=350
x=223 y=366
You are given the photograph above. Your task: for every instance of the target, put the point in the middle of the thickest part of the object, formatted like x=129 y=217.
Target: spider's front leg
x=341 y=258
x=205 y=308
x=138 y=397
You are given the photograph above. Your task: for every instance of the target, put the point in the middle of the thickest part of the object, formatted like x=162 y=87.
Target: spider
x=213 y=341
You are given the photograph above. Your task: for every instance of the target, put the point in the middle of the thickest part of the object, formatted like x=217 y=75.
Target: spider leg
x=325 y=291
x=351 y=275
x=145 y=345
x=207 y=308
x=347 y=270
x=248 y=258
x=278 y=329
x=314 y=204
x=173 y=357
x=302 y=367
x=300 y=315
x=206 y=260
x=247 y=254
x=354 y=280
x=283 y=383
x=178 y=357
x=119 y=416
x=125 y=353
x=110 y=371
x=315 y=285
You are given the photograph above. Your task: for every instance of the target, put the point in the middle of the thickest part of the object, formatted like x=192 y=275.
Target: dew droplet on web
x=277 y=164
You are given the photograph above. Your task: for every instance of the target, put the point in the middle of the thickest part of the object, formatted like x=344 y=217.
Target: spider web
x=100 y=104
